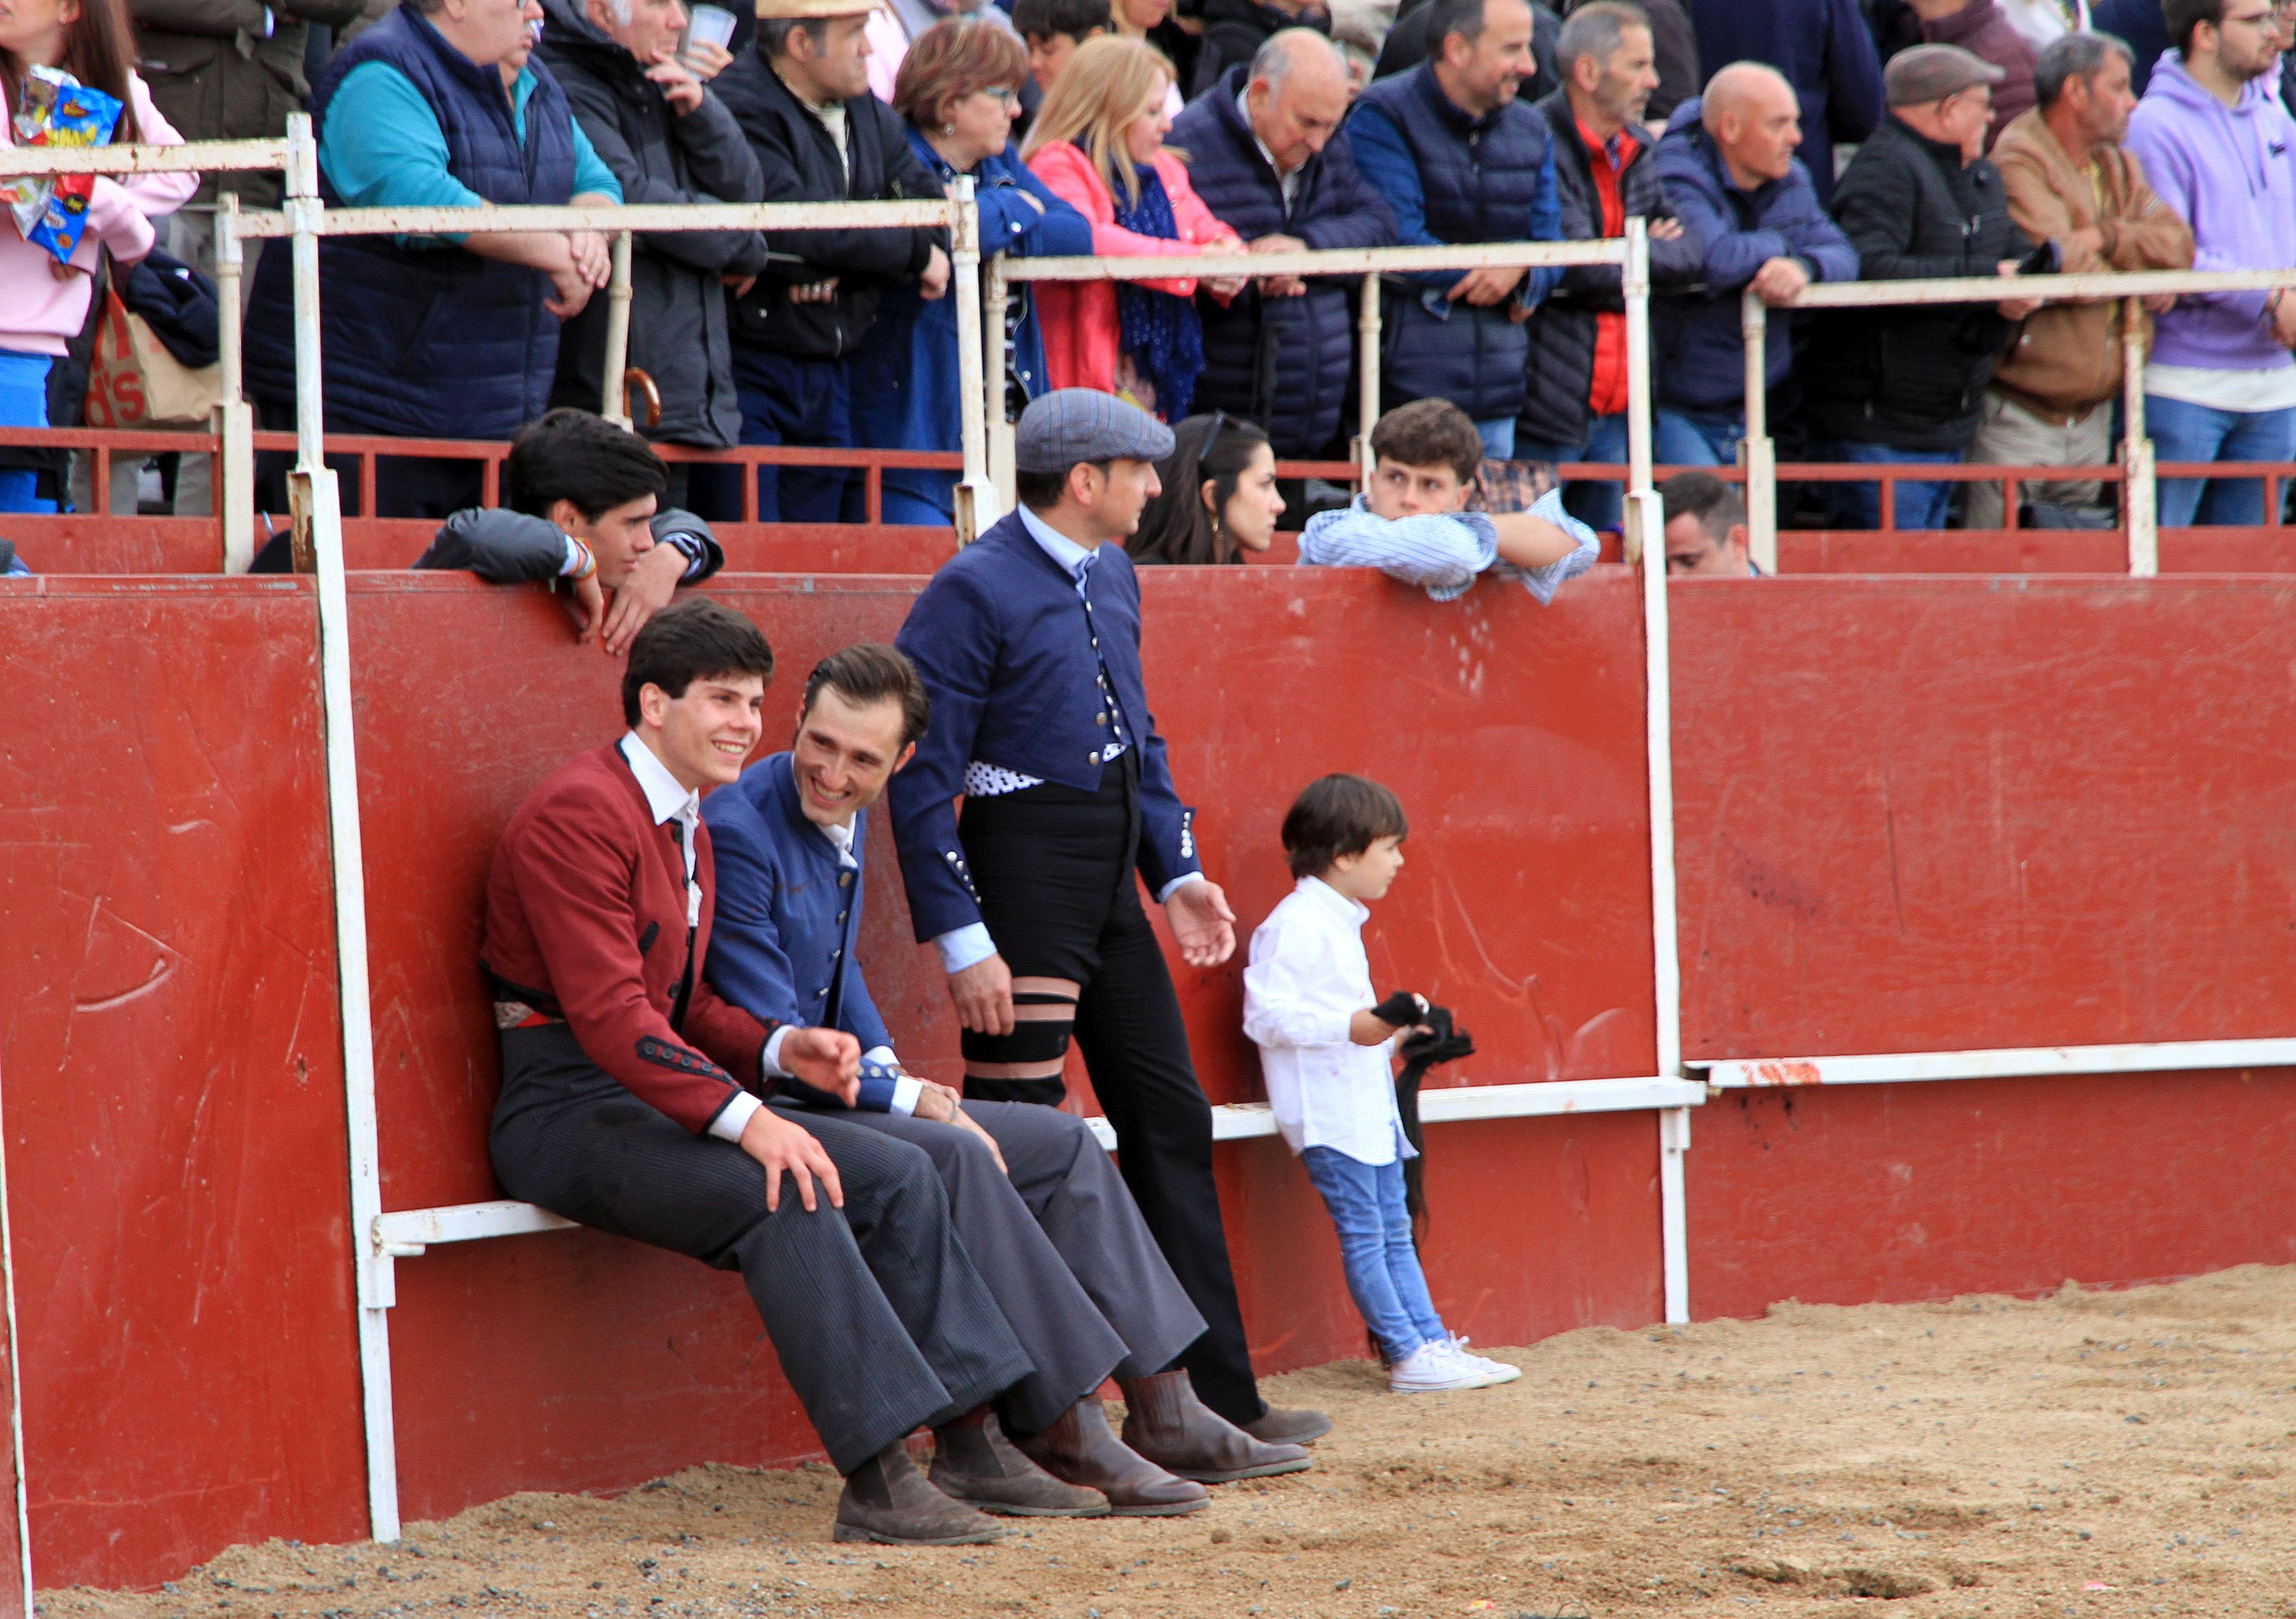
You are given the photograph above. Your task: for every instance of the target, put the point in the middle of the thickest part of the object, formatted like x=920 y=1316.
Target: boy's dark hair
x=1429 y=433
x=1340 y=814
x=874 y=673
x=1713 y=504
x=1043 y=18
x=572 y=455
x=2183 y=16
x=695 y=639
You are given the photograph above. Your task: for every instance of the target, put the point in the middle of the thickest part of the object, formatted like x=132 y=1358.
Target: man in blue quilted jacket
x=1029 y=642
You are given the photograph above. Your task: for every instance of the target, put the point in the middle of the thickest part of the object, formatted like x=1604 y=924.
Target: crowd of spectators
x=2017 y=137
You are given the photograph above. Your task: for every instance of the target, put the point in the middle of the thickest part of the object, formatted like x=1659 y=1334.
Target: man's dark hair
x=1716 y=505
x=773 y=32
x=874 y=673
x=2183 y=16
x=572 y=455
x=1042 y=491
x=1429 y=433
x=1463 y=18
x=1340 y=814
x=2080 y=56
x=1595 y=30
x=1043 y=18
x=695 y=639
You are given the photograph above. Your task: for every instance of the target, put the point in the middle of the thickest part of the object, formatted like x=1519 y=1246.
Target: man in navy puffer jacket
x=1263 y=159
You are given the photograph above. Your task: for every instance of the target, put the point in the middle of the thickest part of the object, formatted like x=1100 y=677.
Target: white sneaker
x=1498 y=1371
x=1431 y=1368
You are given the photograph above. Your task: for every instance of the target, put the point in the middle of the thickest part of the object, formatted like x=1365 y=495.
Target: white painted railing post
x=615 y=368
x=235 y=418
x=995 y=304
x=1367 y=320
x=1757 y=450
x=976 y=503
x=2140 y=506
x=1674 y=1212
x=1635 y=281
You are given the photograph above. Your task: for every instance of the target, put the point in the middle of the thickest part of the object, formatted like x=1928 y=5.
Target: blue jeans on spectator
x=1719 y=434
x=798 y=402
x=1676 y=441
x=1499 y=437
x=23 y=402
x=1366 y=1201
x=2196 y=432
x=1919 y=506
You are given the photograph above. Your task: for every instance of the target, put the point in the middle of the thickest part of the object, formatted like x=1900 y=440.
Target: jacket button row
x=840 y=916
x=1100 y=719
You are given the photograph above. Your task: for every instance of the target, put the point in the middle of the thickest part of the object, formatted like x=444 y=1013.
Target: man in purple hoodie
x=2220 y=149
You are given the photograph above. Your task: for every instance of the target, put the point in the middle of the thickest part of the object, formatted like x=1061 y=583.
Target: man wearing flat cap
x=1029 y=641
x=1919 y=202
x=800 y=93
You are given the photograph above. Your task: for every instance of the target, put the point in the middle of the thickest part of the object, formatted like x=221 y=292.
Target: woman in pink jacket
x=44 y=304
x=1099 y=142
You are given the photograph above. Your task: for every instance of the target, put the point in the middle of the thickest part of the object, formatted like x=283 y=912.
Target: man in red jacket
x=631 y=1096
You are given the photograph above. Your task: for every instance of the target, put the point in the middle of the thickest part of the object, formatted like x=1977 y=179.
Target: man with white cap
x=1029 y=642
x=801 y=95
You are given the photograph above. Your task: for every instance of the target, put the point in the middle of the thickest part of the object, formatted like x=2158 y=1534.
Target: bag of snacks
x=56 y=110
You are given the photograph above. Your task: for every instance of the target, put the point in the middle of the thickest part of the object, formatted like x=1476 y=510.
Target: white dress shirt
x=1308 y=978
x=670 y=802
x=907 y=1088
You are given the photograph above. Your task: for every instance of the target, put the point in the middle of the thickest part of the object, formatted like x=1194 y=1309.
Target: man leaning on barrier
x=632 y=1095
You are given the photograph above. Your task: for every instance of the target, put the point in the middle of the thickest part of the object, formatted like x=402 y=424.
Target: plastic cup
x=710 y=25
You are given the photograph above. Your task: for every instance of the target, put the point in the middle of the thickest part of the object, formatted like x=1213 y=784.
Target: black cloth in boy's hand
x=1400 y=1010
x=1442 y=1042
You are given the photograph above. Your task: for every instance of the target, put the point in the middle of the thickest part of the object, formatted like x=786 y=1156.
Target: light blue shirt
x=381 y=146
x=1443 y=553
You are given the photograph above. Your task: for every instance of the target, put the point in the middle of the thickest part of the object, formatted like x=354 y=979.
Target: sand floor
x=2091 y=1453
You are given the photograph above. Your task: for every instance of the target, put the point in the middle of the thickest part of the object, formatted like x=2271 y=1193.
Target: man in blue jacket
x=1029 y=641
x=1728 y=165
x=1825 y=53
x=1262 y=158
x=1039 y=1206
x=1460 y=160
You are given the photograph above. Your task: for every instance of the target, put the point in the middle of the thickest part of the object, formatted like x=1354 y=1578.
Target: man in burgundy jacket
x=631 y=1096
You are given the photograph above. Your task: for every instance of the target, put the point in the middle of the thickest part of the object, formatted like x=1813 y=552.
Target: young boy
x=1412 y=523
x=1323 y=1044
x=1054 y=29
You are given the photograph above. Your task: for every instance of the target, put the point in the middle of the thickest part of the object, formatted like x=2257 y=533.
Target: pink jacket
x=41 y=311
x=1080 y=317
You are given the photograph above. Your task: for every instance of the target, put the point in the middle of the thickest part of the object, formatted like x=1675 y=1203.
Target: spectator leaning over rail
x=2069 y=181
x=1099 y=144
x=802 y=93
x=669 y=139
x=1413 y=524
x=2216 y=146
x=1263 y=158
x=1821 y=48
x=958 y=93
x=1576 y=406
x=437 y=336
x=1901 y=386
x=1461 y=161
x=1728 y=167
x=1983 y=29
x=1706 y=529
x=44 y=304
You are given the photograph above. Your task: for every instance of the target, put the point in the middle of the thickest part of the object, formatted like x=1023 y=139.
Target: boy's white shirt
x=1307 y=979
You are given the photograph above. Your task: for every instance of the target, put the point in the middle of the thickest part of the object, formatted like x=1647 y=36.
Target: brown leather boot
x=974 y=1463
x=888 y=1500
x=1288 y=1425
x=1080 y=1450
x=1165 y=1422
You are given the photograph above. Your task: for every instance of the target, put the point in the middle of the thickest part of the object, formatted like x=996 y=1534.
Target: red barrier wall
x=1912 y=813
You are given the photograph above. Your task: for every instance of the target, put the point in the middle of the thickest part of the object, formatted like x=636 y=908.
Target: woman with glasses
x=958 y=90
x=1219 y=499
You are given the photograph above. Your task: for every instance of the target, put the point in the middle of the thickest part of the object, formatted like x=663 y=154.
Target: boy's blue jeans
x=1383 y=1267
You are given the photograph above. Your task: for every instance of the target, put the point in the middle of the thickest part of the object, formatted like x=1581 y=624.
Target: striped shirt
x=1443 y=553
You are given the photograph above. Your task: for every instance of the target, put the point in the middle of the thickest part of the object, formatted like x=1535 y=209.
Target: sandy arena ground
x=2091 y=1453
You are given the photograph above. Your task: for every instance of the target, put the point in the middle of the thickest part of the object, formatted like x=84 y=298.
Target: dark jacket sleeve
x=1675 y=43
x=952 y=635
x=217 y=19
x=890 y=255
x=715 y=251
x=1357 y=216
x=500 y=547
x=1853 y=75
x=1877 y=205
x=705 y=555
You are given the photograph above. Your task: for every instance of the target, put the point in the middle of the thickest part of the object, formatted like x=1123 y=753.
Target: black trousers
x=1054 y=871
x=1057 y=1239
x=877 y=1317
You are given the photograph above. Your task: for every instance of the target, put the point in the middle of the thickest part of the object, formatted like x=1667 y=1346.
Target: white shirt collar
x=840 y=838
x=1056 y=546
x=1328 y=899
x=664 y=796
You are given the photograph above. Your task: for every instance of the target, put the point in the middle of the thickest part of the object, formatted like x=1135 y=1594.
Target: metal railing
x=2137 y=472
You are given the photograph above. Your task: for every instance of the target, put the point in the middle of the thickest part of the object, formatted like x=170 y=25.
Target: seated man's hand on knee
x=827 y=1060
x=785 y=1147
x=942 y=1105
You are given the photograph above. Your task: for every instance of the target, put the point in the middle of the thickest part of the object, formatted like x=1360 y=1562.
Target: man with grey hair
x=1263 y=158
x=2069 y=180
x=669 y=139
x=1576 y=406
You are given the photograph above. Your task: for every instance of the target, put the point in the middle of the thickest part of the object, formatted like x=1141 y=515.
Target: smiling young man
x=632 y=1095
x=1040 y=1208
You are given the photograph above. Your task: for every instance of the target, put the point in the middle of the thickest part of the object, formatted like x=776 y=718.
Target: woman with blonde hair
x=1098 y=144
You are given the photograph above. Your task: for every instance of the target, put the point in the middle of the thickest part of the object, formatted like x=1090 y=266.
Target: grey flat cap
x=1079 y=424
x=1932 y=72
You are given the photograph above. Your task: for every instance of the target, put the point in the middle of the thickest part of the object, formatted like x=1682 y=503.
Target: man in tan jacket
x=2069 y=181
